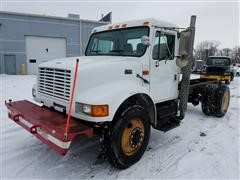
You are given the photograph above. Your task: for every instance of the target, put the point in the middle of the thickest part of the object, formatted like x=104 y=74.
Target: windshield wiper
x=117 y=50
x=144 y=80
x=95 y=51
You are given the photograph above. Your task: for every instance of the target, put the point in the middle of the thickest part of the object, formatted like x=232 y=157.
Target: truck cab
x=136 y=58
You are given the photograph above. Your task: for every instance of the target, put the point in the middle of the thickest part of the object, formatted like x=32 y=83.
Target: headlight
x=87 y=109
x=92 y=110
x=33 y=92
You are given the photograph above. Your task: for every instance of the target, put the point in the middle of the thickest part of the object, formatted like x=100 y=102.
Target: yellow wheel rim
x=225 y=102
x=132 y=137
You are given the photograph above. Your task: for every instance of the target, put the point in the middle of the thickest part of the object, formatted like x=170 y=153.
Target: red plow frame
x=47 y=125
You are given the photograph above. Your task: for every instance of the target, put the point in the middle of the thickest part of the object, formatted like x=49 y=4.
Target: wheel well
x=138 y=99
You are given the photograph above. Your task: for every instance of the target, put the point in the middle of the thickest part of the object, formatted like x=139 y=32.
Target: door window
x=163 y=46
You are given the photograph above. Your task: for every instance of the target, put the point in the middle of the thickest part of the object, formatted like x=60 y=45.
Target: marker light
x=99 y=110
x=124 y=25
x=92 y=110
x=145 y=23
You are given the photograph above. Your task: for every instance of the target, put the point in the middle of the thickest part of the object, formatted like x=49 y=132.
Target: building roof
x=49 y=16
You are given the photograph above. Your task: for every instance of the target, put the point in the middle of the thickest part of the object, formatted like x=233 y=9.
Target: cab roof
x=143 y=22
x=223 y=57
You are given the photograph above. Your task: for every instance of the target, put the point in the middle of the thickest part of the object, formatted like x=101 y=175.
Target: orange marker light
x=145 y=72
x=100 y=110
x=145 y=23
x=124 y=25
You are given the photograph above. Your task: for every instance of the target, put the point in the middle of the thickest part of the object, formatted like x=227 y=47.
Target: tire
x=232 y=77
x=227 y=82
x=207 y=100
x=121 y=142
x=221 y=100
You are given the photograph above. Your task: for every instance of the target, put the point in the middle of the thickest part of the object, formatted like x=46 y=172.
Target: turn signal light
x=100 y=110
x=145 y=72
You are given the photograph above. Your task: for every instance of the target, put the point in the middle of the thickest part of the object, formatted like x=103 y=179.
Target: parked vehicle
x=236 y=69
x=127 y=82
x=219 y=68
x=198 y=66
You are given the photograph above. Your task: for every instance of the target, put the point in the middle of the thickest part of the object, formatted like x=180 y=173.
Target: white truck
x=134 y=75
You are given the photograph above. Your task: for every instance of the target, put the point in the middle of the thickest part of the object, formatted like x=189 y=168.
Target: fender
x=114 y=97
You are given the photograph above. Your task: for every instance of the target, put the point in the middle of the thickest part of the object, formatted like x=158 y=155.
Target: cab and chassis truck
x=134 y=75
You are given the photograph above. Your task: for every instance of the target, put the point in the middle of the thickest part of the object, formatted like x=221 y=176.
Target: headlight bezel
x=92 y=110
x=34 y=92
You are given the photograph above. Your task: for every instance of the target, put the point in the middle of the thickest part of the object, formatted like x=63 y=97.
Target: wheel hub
x=225 y=102
x=136 y=138
x=132 y=137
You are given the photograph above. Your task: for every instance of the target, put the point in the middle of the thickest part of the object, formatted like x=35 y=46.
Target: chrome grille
x=54 y=82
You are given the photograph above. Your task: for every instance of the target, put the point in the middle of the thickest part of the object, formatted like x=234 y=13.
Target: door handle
x=32 y=60
x=175 y=77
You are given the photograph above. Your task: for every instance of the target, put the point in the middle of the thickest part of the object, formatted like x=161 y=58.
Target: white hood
x=69 y=62
x=96 y=71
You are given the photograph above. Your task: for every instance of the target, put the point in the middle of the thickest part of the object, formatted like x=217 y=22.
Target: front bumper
x=217 y=77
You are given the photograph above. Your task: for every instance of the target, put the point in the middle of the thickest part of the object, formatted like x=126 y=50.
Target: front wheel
x=128 y=137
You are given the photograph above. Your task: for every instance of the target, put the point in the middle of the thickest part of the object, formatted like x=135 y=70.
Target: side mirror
x=184 y=46
x=145 y=40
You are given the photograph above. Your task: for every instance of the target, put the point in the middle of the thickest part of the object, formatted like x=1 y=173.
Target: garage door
x=42 y=49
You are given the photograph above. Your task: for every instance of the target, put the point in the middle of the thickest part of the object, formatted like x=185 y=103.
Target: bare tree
x=226 y=51
x=235 y=55
x=206 y=48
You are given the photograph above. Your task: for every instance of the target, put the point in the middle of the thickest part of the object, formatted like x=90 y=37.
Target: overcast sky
x=216 y=20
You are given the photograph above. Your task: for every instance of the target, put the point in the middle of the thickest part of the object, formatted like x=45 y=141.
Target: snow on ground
x=179 y=153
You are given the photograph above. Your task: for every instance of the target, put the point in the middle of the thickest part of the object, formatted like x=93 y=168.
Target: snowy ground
x=179 y=153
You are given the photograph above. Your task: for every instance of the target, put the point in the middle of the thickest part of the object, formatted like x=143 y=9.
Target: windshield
x=120 y=42
x=218 y=61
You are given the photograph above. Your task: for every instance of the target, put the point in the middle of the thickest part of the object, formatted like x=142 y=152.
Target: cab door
x=164 y=71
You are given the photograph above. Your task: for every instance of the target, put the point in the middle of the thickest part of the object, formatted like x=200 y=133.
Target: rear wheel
x=128 y=137
x=227 y=82
x=232 y=77
x=207 y=100
x=221 y=100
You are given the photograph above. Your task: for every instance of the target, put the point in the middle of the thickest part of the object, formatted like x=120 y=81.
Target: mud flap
x=47 y=125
